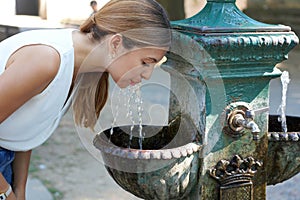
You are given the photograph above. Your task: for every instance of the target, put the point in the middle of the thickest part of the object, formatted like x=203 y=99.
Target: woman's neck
x=87 y=57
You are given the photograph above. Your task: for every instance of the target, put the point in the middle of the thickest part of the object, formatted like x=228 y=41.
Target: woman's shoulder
x=41 y=54
x=46 y=64
x=34 y=67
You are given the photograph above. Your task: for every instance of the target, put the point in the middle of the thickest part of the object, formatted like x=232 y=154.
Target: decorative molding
x=284 y=137
x=234 y=18
x=235 y=177
x=236 y=170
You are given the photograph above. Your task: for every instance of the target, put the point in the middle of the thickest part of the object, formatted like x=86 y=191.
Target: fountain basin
x=283 y=150
x=167 y=165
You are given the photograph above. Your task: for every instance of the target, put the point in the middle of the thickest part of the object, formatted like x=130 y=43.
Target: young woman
x=38 y=69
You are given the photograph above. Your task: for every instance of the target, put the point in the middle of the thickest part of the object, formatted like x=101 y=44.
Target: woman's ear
x=116 y=42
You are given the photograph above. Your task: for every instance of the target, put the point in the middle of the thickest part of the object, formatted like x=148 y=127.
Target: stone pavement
x=37 y=191
x=283 y=191
x=288 y=190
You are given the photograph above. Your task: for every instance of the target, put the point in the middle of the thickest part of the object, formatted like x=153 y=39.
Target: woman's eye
x=145 y=64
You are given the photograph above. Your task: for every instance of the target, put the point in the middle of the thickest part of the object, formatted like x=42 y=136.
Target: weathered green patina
x=243 y=54
x=221 y=63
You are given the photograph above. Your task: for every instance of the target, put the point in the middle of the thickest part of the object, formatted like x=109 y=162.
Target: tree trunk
x=175 y=8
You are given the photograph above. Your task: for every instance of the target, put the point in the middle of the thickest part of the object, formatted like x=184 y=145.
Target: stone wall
x=274 y=3
x=192 y=7
x=286 y=12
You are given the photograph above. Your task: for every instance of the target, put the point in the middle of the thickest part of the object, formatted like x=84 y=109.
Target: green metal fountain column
x=243 y=54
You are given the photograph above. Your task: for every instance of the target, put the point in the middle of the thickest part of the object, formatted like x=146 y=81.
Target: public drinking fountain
x=217 y=144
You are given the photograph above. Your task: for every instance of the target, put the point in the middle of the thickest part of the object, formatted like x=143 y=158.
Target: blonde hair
x=141 y=23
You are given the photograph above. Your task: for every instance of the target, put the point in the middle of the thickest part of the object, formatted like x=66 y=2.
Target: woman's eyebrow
x=153 y=60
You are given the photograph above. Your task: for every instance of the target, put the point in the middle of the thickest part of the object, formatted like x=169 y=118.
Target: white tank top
x=34 y=122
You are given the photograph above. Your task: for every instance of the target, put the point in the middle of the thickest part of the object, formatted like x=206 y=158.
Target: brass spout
x=240 y=117
x=248 y=123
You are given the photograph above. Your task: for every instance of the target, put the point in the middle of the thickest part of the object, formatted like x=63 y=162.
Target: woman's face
x=134 y=65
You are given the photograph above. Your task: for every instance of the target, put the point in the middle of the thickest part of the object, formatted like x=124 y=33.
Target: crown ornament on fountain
x=235 y=171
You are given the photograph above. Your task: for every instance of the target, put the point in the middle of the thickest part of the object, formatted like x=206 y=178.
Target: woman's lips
x=132 y=83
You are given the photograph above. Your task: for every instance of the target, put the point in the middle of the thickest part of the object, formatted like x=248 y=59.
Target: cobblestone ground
x=288 y=190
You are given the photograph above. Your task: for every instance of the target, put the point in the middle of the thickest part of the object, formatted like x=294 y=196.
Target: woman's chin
x=123 y=85
x=132 y=84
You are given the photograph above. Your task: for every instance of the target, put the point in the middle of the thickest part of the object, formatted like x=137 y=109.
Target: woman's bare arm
x=4 y=187
x=20 y=169
x=28 y=72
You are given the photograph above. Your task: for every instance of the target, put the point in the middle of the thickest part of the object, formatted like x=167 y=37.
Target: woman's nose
x=147 y=73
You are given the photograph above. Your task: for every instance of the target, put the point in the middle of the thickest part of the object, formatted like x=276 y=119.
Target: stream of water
x=285 y=80
x=134 y=106
x=114 y=123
